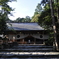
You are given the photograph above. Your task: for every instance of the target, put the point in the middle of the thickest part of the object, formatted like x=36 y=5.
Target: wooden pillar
x=13 y=38
x=43 y=38
x=34 y=40
x=23 y=41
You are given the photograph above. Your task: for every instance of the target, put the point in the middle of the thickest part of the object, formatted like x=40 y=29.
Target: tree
x=54 y=18
x=18 y=20
x=2 y=23
x=37 y=13
x=44 y=2
x=54 y=26
x=45 y=18
x=26 y=19
x=38 y=8
x=35 y=18
x=5 y=10
x=57 y=8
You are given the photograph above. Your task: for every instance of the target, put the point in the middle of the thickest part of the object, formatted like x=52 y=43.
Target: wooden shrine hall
x=26 y=33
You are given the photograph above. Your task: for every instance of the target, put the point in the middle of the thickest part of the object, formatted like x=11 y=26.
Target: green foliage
x=38 y=8
x=2 y=23
x=5 y=10
x=45 y=19
x=35 y=18
x=50 y=40
x=26 y=19
x=37 y=13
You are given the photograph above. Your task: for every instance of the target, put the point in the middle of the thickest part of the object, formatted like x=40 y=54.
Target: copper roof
x=24 y=26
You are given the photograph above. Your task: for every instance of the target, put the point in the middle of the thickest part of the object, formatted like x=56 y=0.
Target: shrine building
x=26 y=33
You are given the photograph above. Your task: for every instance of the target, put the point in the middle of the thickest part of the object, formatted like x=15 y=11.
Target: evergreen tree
x=5 y=10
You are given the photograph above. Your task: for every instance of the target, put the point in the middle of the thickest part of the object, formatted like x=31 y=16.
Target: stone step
x=33 y=53
x=29 y=46
x=29 y=58
x=33 y=47
x=38 y=45
x=27 y=50
x=29 y=55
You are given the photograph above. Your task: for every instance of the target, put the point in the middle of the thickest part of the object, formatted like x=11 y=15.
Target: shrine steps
x=29 y=52
x=29 y=48
x=30 y=56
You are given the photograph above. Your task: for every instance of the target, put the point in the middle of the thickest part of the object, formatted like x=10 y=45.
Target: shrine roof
x=24 y=26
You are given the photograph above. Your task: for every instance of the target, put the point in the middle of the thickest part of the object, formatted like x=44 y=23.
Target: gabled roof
x=24 y=26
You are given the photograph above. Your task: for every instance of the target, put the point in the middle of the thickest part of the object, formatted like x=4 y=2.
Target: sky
x=23 y=8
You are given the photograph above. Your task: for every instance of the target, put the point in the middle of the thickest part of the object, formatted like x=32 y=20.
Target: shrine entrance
x=30 y=40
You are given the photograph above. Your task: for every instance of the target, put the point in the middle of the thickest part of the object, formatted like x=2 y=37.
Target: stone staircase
x=29 y=51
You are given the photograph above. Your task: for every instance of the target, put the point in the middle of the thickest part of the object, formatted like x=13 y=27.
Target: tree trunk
x=53 y=23
x=57 y=11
